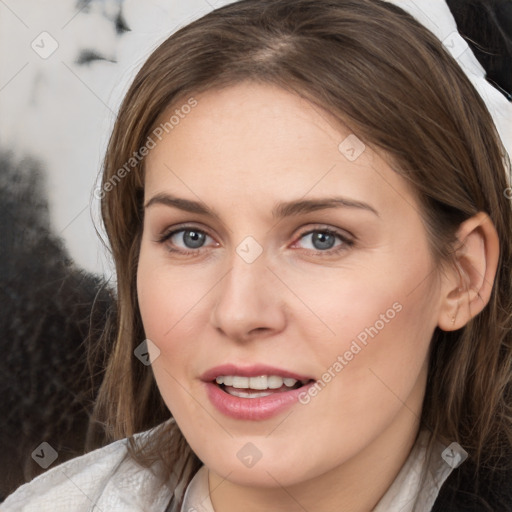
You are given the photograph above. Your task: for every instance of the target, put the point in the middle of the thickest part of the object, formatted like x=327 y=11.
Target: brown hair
x=392 y=83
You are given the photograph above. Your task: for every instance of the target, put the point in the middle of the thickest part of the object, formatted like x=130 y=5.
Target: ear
x=468 y=284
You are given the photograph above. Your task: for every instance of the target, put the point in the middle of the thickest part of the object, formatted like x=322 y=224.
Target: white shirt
x=109 y=480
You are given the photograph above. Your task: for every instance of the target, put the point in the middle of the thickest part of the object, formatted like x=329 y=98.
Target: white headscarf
x=437 y=17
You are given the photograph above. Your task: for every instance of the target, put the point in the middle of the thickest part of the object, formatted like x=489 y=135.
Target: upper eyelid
x=335 y=231
x=184 y=227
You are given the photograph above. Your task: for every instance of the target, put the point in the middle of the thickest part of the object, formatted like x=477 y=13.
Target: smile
x=255 y=392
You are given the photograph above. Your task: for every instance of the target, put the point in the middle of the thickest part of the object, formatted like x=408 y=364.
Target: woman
x=306 y=205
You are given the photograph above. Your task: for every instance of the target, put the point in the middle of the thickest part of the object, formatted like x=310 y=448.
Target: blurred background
x=65 y=67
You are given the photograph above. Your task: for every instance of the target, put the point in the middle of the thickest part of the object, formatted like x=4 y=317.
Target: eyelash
x=346 y=242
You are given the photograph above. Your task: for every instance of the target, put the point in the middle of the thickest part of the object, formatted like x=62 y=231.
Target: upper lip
x=251 y=371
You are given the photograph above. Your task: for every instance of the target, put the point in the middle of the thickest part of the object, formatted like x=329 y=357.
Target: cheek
x=168 y=295
x=173 y=303
x=370 y=331
x=390 y=309
x=377 y=354
x=168 y=298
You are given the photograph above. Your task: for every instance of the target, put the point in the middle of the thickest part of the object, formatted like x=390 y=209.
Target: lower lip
x=253 y=408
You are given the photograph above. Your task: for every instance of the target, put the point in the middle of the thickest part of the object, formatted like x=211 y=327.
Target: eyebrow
x=280 y=211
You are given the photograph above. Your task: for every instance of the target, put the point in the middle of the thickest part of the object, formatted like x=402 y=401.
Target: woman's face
x=275 y=243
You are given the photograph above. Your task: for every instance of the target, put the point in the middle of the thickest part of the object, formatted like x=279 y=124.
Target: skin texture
x=241 y=151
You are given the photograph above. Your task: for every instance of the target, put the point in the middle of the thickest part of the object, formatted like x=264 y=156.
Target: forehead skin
x=237 y=142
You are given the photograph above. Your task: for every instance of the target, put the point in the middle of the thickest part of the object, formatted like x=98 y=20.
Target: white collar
x=109 y=479
x=405 y=494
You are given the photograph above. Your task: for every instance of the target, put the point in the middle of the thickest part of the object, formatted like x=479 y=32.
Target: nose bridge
x=247 y=276
x=247 y=298
x=248 y=270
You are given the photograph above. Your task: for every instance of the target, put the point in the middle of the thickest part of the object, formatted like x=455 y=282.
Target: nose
x=249 y=301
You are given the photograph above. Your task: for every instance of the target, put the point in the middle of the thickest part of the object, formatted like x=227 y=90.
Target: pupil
x=193 y=239
x=323 y=240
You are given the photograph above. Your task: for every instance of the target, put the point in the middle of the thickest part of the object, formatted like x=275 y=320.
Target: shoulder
x=68 y=484
x=107 y=478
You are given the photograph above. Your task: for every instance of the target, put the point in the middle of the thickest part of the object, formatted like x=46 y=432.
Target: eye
x=185 y=240
x=190 y=240
x=325 y=240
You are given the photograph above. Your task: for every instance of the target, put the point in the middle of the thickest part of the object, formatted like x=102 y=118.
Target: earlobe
x=468 y=286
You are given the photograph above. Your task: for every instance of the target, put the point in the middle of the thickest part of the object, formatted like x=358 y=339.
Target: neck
x=356 y=485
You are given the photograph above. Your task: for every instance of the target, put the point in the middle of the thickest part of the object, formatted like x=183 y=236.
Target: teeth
x=243 y=394
x=239 y=382
x=260 y=382
x=274 y=382
x=228 y=381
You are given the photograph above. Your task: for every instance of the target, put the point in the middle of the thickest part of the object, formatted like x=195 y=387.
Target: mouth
x=254 y=393
x=259 y=386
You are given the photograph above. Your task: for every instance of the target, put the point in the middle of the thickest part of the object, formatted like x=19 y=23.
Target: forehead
x=259 y=142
